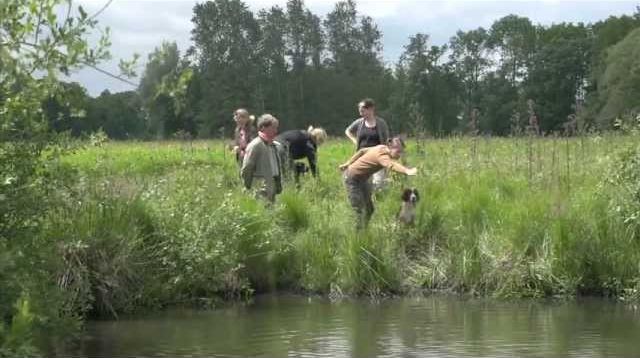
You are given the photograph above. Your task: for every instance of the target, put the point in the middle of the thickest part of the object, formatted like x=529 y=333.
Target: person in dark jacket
x=299 y=144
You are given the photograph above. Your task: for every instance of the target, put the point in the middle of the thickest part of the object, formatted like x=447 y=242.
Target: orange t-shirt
x=372 y=160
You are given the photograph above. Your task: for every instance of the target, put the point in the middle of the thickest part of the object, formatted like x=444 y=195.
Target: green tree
x=303 y=42
x=120 y=115
x=354 y=62
x=470 y=59
x=619 y=90
x=342 y=33
x=606 y=33
x=500 y=107
x=558 y=73
x=226 y=39
x=163 y=90
x=66 y=109
x=36 y=47
x=430 y=87
x=514 y=38
x=273 y=88
x=315 y=39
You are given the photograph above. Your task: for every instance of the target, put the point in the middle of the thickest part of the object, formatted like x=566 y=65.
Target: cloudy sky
x=138 y=26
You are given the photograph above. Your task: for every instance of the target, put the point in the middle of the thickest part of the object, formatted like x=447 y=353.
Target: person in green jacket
x=261 y=167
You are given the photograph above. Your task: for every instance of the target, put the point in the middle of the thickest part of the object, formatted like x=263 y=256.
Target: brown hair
x=266 y=120
x=367 y=103
x=241 y=112
x=396 y=141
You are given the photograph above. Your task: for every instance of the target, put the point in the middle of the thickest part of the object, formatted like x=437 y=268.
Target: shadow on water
x=294 y=326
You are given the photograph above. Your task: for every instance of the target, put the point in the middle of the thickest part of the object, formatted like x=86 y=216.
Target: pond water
x=294 y=326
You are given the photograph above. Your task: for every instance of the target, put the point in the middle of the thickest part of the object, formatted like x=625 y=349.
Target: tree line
x=514 y=77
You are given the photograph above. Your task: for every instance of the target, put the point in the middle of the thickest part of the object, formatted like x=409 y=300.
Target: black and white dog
x=407 y=213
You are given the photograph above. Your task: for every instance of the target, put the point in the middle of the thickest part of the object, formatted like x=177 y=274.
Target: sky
x=139 y=26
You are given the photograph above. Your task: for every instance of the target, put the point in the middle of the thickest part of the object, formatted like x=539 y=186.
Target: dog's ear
x=406 y=194
x=415 y=191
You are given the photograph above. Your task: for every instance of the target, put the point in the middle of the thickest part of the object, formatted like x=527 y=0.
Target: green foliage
x=102 y=241
x=226 y=36
x=558 y=73
x=36 y=46
x=429 y=86
x=116 y=227
x=625 y=179
x=283 y=59
x=118 y=115
x=295 y=211
x=619 y=85
x=485 y=226
x=16 y=342
x=66 y=109
x=163 y=91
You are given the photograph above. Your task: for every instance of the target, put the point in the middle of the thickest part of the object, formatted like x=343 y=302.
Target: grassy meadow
x=163 y=223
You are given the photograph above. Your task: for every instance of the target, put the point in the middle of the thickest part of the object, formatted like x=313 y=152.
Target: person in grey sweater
x=369 y=131
x=261 y=167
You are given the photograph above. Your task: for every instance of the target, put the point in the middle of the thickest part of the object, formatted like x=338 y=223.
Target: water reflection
x=290 y=326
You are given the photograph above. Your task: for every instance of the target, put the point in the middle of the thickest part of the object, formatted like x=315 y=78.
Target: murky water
x=292 y=326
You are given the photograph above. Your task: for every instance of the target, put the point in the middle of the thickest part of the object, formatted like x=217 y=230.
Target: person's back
x=298 y=142
x=371 y=160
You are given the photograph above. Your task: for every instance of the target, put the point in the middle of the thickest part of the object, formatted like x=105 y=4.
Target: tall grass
x=165 y=223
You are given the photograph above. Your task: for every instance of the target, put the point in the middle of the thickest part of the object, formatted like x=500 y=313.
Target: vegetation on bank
x=135 y=225
x=117 y=227
x=152 y=224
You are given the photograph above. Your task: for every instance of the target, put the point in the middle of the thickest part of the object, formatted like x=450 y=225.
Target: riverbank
x=143 y=226
x=156 y=223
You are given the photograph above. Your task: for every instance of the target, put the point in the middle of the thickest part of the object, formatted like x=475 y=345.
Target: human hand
x=236 y=149
x=412 y=171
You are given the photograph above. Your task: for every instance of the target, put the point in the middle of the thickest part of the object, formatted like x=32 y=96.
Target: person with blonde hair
x=243 y=134
x=261 y=167
x=319 y=135
x=299 y=144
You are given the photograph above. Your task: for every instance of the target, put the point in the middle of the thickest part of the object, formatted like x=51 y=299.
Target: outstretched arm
x=387 y=162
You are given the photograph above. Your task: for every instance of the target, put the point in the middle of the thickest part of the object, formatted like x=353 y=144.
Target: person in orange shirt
x=362 y=166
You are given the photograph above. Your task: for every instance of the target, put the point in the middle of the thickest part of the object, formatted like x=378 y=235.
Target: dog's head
x=410 y=195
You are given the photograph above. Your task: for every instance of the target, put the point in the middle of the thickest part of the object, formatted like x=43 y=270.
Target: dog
x=407 y=213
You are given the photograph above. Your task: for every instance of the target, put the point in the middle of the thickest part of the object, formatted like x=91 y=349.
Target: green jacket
x=257 y=162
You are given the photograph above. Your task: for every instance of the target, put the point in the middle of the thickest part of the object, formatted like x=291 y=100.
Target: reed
x=164 y=223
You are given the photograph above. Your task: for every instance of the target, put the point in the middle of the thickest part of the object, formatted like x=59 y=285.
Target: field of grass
x=153 y=224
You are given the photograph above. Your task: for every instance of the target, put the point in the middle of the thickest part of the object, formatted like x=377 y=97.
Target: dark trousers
x=359 y=194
